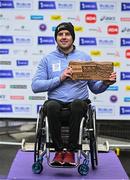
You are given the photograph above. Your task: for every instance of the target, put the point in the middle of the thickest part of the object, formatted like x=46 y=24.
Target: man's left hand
x=112 y=79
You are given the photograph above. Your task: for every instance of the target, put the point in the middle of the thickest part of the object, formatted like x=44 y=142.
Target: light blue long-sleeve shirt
x=49 y=70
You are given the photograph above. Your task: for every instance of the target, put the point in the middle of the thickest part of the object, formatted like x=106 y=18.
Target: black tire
x=39 y=141
x=37 y=168
x=83 y=169
x=93 y=151
x=93 y=139
x=37 y=146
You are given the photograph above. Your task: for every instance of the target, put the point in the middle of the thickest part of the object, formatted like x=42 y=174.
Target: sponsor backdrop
x=26 y=34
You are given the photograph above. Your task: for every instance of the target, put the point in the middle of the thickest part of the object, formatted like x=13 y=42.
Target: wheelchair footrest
x=63 y=165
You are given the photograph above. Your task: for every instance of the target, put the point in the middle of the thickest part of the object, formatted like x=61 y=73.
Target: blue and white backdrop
x=26 y=34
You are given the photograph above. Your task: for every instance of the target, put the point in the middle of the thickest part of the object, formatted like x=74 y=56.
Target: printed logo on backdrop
x=125 y=19
x=95 y=29
x=127 y=88
x=20 y=51
x=125 y=30
x=108 y=19
x=96 y=53
x=4 y=17
x=87 y=41
x=90 y=18
x=127 y=64
x=53 y=28
x=2 y=86
x=64 y=5
x=125 y=6
x=125 y=110
x=101 y=6
x=4 y=51
x=22 y=62
x=22 y=28
x=6 y=40
x=36 y=17
x=106 y=42
x=5 y=27
x=22 y=108
x=6 y=74
x=88 y=5
x=125 y=76
x=114 y=54
x=3 y=97
x=37 y=98
x=20 y=17
x=6 y=108
x=18 y=86
x=113 y=98
x=78 y=28
x=37 y=52
x=42 y=27
x=126 y=99
x=56 y=17
x=73 y=18
x=17 y=98
x=125 y=42
x=6 y=4
x=107 y=6
x=113 y=88
x=46 y=5
x=97 y=99
x=23 y=5
x=117 y=64
x=113 y=29
x=5 y=62
x=105 y=111
x=18 y=74
x=22 y=40
x=46 y=40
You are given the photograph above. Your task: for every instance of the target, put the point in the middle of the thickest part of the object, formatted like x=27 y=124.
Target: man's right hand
x=67 y=73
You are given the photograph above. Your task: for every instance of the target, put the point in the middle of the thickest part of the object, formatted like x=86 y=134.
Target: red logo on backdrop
x=20 y=17
x=113 y=29
x=127 y=53
x=90 y=18
x=2 y=86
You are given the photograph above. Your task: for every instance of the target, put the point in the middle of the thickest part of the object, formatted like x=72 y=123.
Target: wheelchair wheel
x=40 y=138
x=93 y=139
x=37 y=146
x=93 y=151
x=83 y=169
x=37 y=168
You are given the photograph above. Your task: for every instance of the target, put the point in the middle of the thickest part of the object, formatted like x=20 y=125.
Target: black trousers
x=53 y=111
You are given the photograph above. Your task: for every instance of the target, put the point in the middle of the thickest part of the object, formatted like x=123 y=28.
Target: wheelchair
x=87 y=143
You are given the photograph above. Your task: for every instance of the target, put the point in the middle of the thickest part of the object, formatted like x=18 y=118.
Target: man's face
x=64 y=39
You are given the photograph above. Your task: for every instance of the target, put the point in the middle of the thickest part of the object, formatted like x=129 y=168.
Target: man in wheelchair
x=54 y=76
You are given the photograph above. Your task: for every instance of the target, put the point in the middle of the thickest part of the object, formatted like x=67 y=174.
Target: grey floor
x=27 y=131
